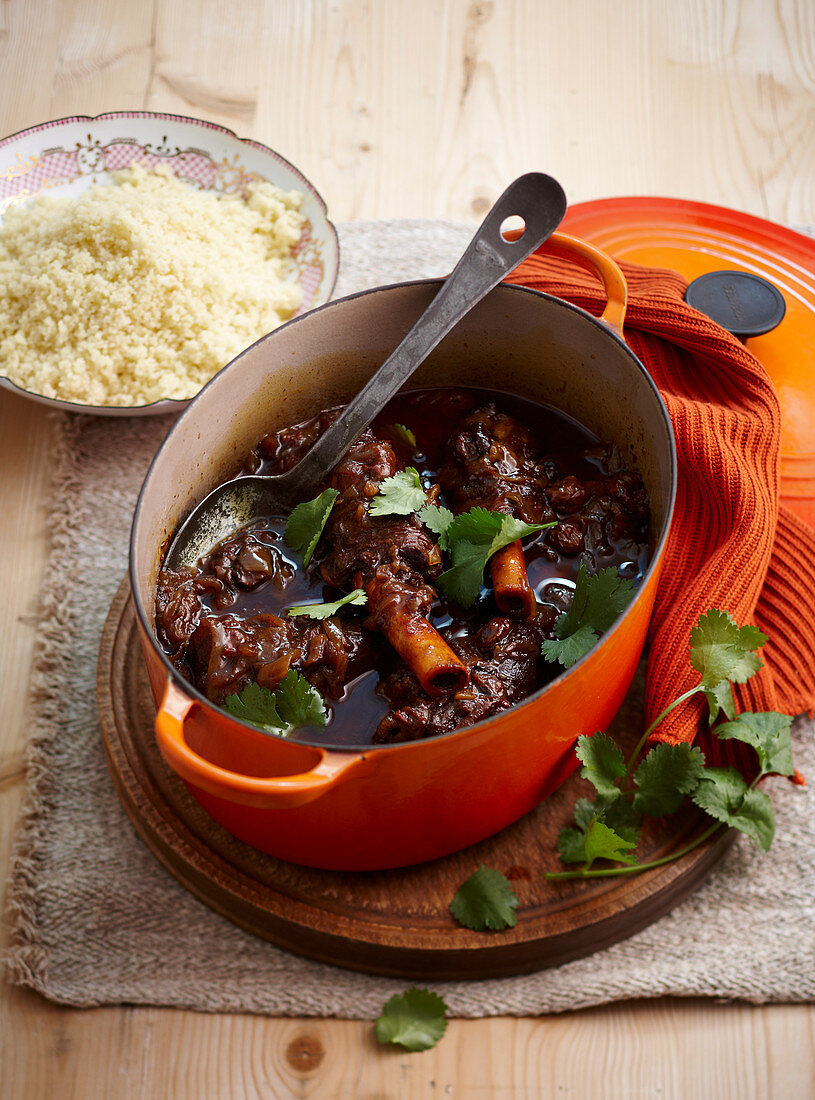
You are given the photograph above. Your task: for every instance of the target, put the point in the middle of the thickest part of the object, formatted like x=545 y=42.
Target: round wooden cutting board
x=388 y=922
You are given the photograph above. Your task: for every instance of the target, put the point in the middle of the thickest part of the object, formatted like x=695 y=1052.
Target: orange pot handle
x=266 y=792
x=599 y=263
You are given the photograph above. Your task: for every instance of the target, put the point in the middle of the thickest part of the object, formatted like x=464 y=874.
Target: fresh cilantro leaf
x=571 y=845
x=485 y=901
x=723 y=654
x=306 y=523
x=405 y=434
x=617 y=815
x=570 y=649
x=603 y=763
x=462 y=581
x=769 y=734
x=399 y=495
x=472 y=538
x=298 y=703
x=294 y=703
x=723 y=793
x=721 y=650
x=667 y=773
x=438 y=519
x=620 y=816
x=511 y=530
x=257 y=705
x=598 y=600
x=326 y=610
x=414 y=1019
x=603 y=843
x=491 y=529
x=720 y=698
x=584 y=811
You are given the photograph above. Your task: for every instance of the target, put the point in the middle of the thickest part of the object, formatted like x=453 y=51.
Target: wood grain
x=410 y=110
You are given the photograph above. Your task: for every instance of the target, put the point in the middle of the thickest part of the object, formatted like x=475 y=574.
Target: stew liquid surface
x=410 y=664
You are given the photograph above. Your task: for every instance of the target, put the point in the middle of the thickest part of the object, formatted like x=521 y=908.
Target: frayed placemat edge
x=26 y=958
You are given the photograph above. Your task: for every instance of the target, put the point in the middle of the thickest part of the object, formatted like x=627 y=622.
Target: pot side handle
x=264 y=792
x=599 y=263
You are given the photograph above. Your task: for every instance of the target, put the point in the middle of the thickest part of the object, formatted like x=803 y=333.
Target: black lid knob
x=743 y=303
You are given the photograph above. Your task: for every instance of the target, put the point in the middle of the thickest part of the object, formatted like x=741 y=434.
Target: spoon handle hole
x=512 y=228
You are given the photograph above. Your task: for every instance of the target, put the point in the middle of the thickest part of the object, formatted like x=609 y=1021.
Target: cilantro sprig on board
x=607 y=828
x=292 y=704
x=658 y=783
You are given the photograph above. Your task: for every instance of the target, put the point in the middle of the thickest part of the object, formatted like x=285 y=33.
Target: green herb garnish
x=769 y=734
x=724 y=794
x=399 y=495
x=723 y=654
x=607 y=828
x=438 y=519
x=414 y=1020
x=326 y=610
x=485 y=901
x=598 y=600
x=472 y=538
x=405 y=434
x=666 y=774
x=306 y=523
x=293 y=703
x=602 y=842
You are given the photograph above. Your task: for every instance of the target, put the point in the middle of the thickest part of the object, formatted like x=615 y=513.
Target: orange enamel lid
x=695 y=238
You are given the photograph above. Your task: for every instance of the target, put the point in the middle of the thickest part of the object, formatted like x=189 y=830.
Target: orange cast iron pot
x=392 y=805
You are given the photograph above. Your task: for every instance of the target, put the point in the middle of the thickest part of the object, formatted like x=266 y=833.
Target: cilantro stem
x=641 y=743
x=633 y=868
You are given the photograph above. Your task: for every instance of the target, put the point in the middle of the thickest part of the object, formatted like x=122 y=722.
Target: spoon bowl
x=540 y=204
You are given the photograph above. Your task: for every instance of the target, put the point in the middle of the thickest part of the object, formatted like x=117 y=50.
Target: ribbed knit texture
x=732 y=544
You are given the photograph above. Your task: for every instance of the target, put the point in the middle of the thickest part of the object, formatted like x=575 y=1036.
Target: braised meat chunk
x=491 y=463
x=503 y=661
x=238 y=564
x=359 y=546
x=205 y=622
x=231 y=652
x=393 y=558
x=598 y=514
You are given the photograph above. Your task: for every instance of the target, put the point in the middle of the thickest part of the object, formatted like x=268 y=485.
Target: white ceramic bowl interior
x=67 y=156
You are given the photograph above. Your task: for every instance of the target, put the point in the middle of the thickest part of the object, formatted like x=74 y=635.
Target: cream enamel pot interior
x=392 y=805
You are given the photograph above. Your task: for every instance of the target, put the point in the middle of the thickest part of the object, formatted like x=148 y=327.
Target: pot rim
x=323 y=746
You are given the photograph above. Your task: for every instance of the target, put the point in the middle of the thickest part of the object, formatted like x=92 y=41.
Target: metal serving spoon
x=539 y=201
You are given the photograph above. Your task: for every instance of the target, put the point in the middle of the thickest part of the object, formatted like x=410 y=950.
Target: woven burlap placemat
x=97 y=920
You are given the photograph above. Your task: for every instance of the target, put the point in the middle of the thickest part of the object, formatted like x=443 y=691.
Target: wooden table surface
x=409 y=108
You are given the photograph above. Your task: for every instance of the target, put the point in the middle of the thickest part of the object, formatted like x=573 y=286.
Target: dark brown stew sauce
x=224 y=623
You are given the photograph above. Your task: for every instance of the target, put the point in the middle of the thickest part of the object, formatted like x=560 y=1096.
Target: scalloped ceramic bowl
x=69 y=155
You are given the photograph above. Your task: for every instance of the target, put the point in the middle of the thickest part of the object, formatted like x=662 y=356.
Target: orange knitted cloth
x=732 y=544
